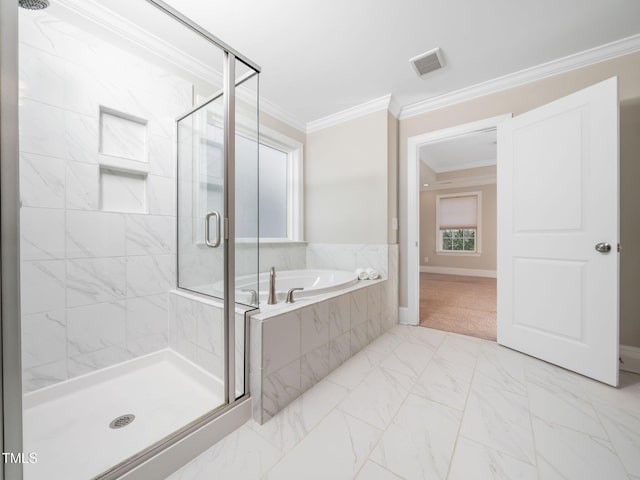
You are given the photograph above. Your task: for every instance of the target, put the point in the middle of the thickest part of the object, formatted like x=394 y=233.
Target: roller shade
x=458 y=212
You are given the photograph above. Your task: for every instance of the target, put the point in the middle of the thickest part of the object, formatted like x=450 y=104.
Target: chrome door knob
x=603 y=247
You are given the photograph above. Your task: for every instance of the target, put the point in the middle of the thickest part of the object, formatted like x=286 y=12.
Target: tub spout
x=272 y=300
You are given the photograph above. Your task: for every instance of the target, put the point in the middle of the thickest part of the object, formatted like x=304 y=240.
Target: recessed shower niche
x=124 y=162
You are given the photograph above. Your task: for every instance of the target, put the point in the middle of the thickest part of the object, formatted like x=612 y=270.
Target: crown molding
x=279 y=113
x=394 y=107
x=375 y=105
x=460 y=183
x=566 y=64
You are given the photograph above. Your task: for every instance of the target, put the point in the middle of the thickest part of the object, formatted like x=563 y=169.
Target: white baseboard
x=468 y=272
x=630 y=358
x=403 y=315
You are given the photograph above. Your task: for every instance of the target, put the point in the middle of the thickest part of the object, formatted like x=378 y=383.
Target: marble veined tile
x=41 y=234
x=623 y=429
x=445 y=382
x=150 y=235
x=81 y=137
x=419 y=335
x=625 y=396
x=504 y=366
x=96 y=360
x=474 y=461
x=161 y=156
x=314 y=327
x=339 y=350
x=385 y=344
x=499 y=419
x=42 y=181
x=150 y=274
x=314 y=366
x=460 y=349
x=280 y=341
x=372 y=471
x=41 y=129
x=44 y=338
x=564 y=406
x=419 y=442
x=339 y=315
x=352 y=372
x=359 y=337
x=95 y=234
x=43 y=375
x=42 y=286
x=241 y=455
x=358 y=307
x=41 y=76
x=297 y=419
x=345 y=440
x=568 y=454
x=409 y=358
x=95 y=280
x=161 y=192
x=377 y=399
x=147 y=324
x=82 y=186
x=280 y=388
x=95 y=327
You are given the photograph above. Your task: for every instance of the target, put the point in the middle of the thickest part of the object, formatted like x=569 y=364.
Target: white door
x=557 y=200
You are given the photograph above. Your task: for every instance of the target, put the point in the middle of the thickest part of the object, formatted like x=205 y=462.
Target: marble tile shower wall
x=94 y=283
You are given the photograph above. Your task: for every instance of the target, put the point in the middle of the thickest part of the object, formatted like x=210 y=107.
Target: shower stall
x=137 y=161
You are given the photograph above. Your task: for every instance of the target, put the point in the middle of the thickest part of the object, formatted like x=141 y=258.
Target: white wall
x=346 y=182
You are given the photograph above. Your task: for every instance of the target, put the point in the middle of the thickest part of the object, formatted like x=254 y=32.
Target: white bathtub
x=314 y=282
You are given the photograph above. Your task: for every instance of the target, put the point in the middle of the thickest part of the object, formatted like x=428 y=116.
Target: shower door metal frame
x=10 y=359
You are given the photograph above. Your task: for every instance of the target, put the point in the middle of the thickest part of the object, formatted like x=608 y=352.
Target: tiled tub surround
x=293 y=347
x=350 y=257
x=94 y=282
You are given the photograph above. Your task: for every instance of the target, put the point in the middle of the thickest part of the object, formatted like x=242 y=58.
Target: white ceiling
x=473 y=150
x=321 y=57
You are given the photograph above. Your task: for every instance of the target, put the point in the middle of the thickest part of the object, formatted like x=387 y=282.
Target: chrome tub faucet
x=272 y=300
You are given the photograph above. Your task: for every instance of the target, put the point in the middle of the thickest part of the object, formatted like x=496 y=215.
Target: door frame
x=412 y=314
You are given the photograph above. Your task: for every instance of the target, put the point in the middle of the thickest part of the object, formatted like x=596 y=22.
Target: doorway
x=458 y=234
x=452 y=268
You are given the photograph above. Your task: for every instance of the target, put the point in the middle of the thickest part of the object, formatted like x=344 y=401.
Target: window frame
x=295 y=207
x=478 y=239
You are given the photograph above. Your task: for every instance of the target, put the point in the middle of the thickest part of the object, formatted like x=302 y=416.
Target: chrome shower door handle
x=603 y=247
x=207 y=234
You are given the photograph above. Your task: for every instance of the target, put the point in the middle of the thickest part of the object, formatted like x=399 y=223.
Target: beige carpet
x=459 y=304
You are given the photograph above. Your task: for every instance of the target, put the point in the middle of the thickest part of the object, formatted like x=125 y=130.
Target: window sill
x=280 y=241
x=459 y=254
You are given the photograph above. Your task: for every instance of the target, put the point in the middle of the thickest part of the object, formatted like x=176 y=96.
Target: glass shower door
x=201 y=197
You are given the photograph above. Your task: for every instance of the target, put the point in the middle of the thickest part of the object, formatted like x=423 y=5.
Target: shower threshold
x=68 y=425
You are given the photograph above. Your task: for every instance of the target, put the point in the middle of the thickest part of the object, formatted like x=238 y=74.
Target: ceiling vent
x=427 y=62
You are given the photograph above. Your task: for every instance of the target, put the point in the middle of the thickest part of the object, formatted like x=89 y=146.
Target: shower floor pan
x=68 y=425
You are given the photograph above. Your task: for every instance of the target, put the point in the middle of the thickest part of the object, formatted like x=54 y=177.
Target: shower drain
x=122 y=421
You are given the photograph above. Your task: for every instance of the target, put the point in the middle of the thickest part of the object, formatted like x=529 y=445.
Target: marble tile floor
x=67 y=426
x=425 y=404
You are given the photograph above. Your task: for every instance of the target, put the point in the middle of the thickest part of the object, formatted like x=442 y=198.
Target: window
x=274 y=192
x=280 y=187
x=458 y=223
